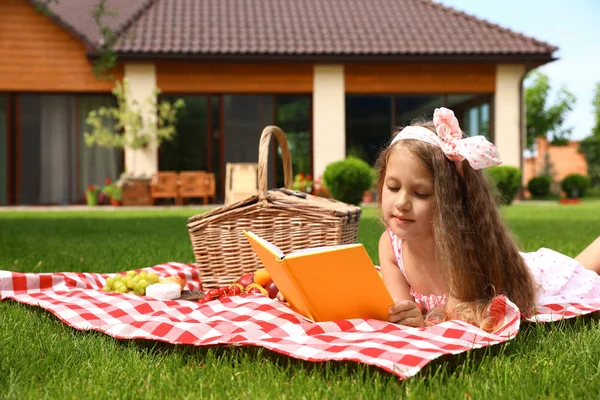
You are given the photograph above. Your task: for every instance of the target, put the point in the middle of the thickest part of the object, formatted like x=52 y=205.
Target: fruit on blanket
x=130 y=282
x=246 y=279
x=205 y=299
x=174 y=279
x=256 y=288
x=235 y=289
x=213 y=293
x=152 y=277
x=272 y=290
x=262 y=277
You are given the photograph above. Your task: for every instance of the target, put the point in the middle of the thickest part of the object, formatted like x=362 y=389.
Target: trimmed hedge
x=348 y=179
x=575 y=185
x=539 y=186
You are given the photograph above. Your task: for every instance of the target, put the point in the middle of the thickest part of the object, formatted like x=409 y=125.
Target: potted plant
x=91 y=195
x=113 y=192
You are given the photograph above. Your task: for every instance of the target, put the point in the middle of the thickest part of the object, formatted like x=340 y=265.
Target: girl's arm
x=405 y=311
x=393 y=278
x=590 y=257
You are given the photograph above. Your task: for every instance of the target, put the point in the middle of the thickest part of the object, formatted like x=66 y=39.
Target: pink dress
x=559 y=278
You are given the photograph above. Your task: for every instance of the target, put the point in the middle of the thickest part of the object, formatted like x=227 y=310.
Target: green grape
x=131 y=282
x=152 y=277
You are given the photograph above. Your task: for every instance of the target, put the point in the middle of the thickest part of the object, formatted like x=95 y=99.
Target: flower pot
x=91 y=197
x=115 y=203
x=570 y=201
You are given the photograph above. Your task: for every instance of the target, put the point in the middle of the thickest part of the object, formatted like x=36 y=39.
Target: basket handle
x=263 y=158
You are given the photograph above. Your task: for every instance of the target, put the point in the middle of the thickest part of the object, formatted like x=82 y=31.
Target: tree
x=543 y=119
x=133 y=126
x=590 y=146
x=596 y=106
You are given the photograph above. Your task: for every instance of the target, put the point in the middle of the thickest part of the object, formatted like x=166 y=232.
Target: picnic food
x=174 y=279
x=164 y=291
x=256 y=288
x=236 y=289
x=246 y=279
x=262 y=277
x=131 y=282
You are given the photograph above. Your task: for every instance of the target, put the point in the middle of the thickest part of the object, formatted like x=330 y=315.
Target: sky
x=571 y=25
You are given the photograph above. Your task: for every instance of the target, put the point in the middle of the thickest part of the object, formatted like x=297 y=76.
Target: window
x=188 y=151
x=368 y=125
x=293 y=116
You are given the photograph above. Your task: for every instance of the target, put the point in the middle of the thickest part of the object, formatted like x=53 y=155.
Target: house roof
x=77 y=16
x=295 y=29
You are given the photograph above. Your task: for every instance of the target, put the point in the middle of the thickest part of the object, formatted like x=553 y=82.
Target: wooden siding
x=420 y=78
x=38 y=55
x=198 y=77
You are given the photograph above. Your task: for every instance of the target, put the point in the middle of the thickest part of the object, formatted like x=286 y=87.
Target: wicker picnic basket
x=289 y=219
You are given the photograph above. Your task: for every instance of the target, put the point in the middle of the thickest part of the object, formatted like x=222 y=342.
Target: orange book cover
x=326 y=283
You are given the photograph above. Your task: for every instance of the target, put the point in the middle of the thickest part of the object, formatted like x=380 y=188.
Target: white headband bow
x=476 y=150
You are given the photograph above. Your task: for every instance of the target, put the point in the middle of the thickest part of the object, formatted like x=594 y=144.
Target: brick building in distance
x=563 y=160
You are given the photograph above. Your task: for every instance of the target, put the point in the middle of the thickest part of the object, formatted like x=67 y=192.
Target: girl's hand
x=406 y=312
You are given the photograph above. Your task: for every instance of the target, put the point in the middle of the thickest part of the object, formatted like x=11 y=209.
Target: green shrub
x=348 y=179
x=507 y=180
x=539 y=186
x=575 y=185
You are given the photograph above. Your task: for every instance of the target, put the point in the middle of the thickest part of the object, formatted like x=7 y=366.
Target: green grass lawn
x=42 y=357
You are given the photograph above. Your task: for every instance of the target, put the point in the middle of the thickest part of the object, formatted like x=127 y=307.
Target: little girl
x=446 y=247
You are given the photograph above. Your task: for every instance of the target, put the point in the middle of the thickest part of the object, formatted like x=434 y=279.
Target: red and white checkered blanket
x=76 y=299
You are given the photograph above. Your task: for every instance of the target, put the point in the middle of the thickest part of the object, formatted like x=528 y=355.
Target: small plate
x=191 y=295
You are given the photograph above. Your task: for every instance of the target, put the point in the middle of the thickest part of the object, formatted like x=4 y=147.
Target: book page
x=320 y=249
x=270 y=246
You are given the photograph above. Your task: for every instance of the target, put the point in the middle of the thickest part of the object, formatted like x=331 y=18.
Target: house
x=336 y=75
x=558 y=161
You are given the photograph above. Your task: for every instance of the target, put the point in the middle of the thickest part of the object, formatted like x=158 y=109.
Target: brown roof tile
x=310 y=28
x=77 y=16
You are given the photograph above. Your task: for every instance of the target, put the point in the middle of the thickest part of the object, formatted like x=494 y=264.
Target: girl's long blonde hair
x=476 y=253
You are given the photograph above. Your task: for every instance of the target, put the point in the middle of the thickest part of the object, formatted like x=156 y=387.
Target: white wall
x=329 y=116
x=142 y=83
x=507 y=113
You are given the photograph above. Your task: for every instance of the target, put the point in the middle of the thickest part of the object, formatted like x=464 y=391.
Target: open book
x=326 y=283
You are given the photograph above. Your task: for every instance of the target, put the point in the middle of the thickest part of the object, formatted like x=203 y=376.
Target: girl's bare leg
x=590 y=257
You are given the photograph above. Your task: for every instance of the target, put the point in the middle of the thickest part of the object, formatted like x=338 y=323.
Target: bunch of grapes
x=131 y=282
